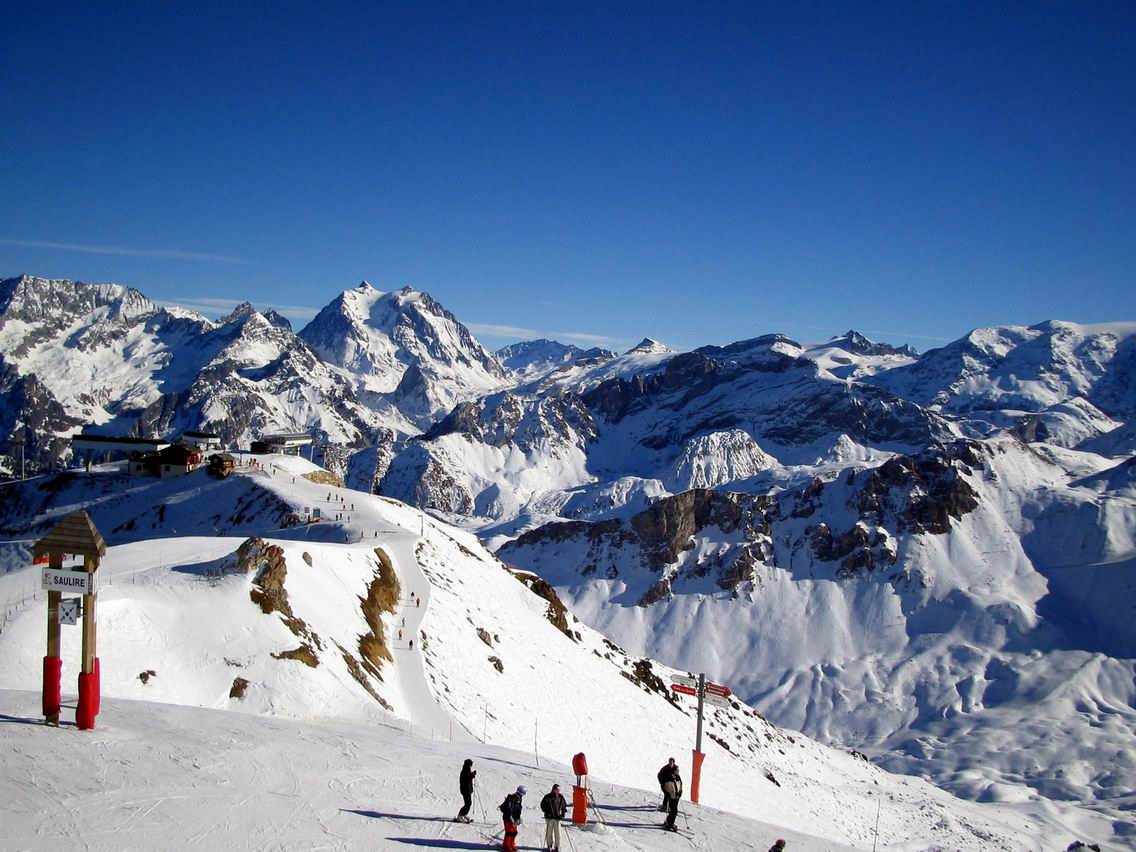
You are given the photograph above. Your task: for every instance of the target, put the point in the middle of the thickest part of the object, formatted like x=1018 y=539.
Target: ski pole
x=571 y=842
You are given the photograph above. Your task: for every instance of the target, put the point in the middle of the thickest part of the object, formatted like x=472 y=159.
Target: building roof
x=76 y=533
x=202 y=435
x=286 y=436
x=178 y=454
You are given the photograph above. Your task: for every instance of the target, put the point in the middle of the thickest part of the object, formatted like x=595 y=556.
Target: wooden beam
x=53 y=627
x=90 y=565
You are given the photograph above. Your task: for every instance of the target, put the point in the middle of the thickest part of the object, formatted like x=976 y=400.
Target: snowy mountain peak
x=240 y=312
x=648 y=346
x=405 y=349
x=853 y=341
x=276 y=319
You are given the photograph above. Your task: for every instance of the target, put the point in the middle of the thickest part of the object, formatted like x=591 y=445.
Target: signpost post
x=706 y=692
x=75 y=534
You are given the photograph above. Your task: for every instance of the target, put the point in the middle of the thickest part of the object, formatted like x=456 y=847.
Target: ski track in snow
x=162 y=776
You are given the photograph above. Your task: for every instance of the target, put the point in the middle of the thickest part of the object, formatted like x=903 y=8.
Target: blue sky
x=694 y=172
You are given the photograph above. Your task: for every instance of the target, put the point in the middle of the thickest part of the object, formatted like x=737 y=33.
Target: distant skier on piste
x=554 y=809
x=664 y=776
x=511 y=814
x=672 y=788
x=465 y=786
x=778 y=846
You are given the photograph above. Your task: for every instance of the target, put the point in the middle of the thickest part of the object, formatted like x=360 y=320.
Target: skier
x=778 y=846
x=418 y=602
x=465 y=785
x=673 y=791
x=1078 y=845
x=511 y=815
x=664 y=776
x=554 y=809
x=411 y=644
x=400 y=635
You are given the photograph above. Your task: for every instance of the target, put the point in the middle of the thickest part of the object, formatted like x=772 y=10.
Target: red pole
x=696 y=776
x=696 y=764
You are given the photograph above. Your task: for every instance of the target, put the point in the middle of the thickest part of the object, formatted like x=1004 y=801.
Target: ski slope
x=489 y=669
x=162 y=776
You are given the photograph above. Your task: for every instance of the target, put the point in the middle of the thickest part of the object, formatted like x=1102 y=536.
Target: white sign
x=716 y=700
x=685 y=681
x=56 y=580
x=69 y=610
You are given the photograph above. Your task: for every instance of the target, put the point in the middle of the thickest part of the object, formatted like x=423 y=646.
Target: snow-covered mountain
x=712 y=416
x=315 y=620
x=101 y=355
x=929 y=558
x=1062 y=382
x=531 y=360
x=407 y=354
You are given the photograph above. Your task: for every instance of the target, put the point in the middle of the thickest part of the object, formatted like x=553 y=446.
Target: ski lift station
x=204 y=441
x=288 y=443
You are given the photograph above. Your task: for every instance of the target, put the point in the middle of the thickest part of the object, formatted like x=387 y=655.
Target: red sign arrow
x=718 y=689
x=685 y=690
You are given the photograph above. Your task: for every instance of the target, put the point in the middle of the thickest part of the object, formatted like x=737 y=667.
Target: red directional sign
x=685 y=690
x=718 y=689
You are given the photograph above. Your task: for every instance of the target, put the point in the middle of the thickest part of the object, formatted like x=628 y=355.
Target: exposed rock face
x=920 y=493
x=661 y=536
x=728 y=537
x=557 y=613
x=29 y=412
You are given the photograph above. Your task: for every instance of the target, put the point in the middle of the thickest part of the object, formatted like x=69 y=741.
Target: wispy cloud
x=123 y=251
x=218 y=307
x=494 y=330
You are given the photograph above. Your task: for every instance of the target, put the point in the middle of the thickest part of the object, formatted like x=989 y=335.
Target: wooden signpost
x=705 y=691
x=77 y=535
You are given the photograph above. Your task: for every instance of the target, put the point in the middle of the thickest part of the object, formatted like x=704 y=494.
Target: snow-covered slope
x=996 y=377
x=531 y=360
x=853 y=356
x=967 y=613
x=304 y=621
x=407 y=353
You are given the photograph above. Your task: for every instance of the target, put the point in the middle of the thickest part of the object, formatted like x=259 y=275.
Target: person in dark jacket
x=672 y=788
x=511 y=814
x=554 y=809
x=664 y=776
x=465 y=785
x=778 y=846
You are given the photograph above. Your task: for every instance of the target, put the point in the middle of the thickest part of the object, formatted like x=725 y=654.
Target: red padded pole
x=52 y=688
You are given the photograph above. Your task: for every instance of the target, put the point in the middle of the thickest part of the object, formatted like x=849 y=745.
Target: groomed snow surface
x=308 y=759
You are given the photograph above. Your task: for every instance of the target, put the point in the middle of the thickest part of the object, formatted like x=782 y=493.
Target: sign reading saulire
x=62 y=580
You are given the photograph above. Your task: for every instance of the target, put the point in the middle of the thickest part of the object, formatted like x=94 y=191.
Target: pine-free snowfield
x=163 y=776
